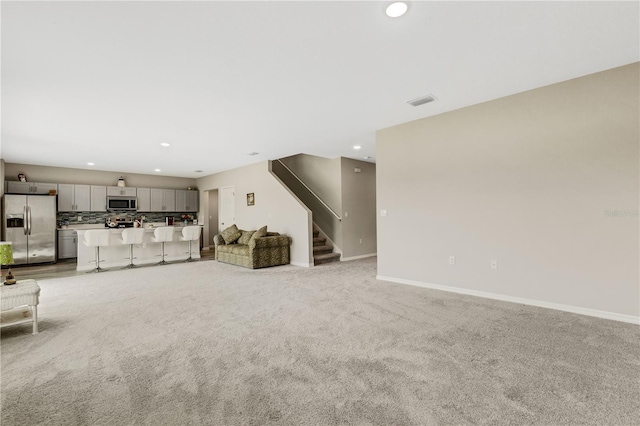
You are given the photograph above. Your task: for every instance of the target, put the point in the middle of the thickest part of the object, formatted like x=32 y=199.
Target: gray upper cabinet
x=14 y=187
x=83 y=198
x=98 y=198
x=193 y=199
x=93 y=198
x=163 y=200
x=74 y=198
x=186 y=200
x=144 y=199
x=118 y=191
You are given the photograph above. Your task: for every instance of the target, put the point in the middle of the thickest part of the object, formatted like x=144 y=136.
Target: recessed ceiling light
x=165 y=144
x=91 y=164
x=158 y=170
x=396 y=9
x=253 y=153
x=198 y=171
x=367 y=157
x=357 y=147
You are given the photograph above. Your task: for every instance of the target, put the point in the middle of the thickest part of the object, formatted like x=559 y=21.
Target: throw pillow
x=259 y=233
x=231 y=234
x=246 y=237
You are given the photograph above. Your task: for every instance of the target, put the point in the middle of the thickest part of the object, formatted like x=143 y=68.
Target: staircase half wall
x=322 y=216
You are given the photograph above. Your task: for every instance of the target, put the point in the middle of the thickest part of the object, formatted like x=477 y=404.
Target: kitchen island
x=117 y=254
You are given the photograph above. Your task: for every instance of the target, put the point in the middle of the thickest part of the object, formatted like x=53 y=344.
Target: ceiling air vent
x=421 y=101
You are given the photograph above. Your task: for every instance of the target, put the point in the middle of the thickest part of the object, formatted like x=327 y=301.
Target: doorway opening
x=212 y=207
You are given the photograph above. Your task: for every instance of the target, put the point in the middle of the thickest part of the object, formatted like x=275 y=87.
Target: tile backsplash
x=71 y=218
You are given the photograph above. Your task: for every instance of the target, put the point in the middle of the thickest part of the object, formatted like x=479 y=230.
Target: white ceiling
x=107 y=82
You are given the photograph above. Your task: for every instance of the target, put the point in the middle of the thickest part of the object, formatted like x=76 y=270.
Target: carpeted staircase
x=323 y=251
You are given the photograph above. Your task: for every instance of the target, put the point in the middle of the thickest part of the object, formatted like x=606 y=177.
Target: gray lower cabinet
x=67 y=244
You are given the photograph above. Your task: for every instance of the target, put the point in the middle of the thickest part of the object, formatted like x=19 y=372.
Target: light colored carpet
x=209 y=343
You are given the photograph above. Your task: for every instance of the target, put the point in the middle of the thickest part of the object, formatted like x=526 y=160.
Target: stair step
x=319 y=241
x=326 y=258
x=322 y=249
x=316 y=233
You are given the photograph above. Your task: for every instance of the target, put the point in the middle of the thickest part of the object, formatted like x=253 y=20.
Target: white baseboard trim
x=304 y=265
x=521 y=300
x=362 y=256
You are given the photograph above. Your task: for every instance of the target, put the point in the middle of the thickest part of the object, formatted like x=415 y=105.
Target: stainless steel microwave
x=122 y=203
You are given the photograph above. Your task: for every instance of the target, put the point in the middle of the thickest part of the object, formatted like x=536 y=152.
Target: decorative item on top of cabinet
x=22 y=177
x=121 y=182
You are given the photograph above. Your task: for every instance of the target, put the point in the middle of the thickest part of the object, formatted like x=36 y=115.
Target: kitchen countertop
x=118 y=253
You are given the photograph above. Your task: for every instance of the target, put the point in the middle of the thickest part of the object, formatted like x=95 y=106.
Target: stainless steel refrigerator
x=29 y=222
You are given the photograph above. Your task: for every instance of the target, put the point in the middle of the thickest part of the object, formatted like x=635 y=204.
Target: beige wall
x=545 y=181
x=358 y=208
x=94 y=177
x=274 y=206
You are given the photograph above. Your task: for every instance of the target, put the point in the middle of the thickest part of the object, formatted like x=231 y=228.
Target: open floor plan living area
x=320 y=213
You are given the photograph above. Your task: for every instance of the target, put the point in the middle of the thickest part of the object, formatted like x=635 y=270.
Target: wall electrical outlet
x=346 y=214
x=452 y=260
x=494 y=264
x=360 y=240
x=79 y=218
x=383 y=212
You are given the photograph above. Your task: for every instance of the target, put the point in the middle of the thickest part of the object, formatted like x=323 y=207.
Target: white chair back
x=97 y=237
x=132 y=236
x=190 y=233
x=164 y=233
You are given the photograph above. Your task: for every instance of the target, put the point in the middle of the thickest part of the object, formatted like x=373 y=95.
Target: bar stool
x=131 y=236
x=97 y=238
x=190 y=233
x=162 y=235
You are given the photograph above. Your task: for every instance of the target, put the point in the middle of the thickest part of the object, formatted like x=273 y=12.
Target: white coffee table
x=19 y=303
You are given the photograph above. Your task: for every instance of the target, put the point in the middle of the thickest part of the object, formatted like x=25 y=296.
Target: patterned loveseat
x=252 y=249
